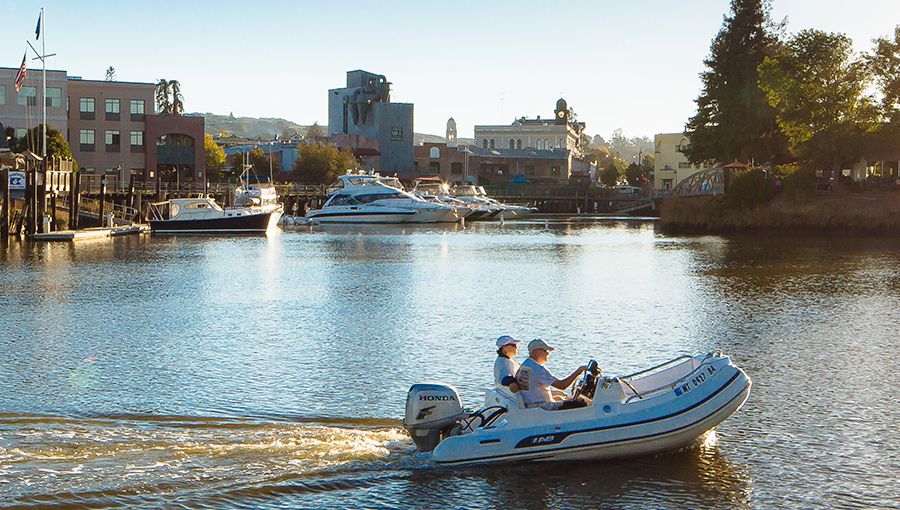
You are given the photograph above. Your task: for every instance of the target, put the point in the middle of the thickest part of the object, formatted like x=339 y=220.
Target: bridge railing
x=91 y=206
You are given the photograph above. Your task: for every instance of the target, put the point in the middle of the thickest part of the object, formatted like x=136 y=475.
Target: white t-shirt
x=534 y=382
x=504 y=367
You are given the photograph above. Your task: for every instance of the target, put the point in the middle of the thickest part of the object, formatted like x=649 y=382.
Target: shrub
x=747 y=191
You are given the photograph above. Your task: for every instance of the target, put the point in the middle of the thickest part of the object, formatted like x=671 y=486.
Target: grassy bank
x=871 y=212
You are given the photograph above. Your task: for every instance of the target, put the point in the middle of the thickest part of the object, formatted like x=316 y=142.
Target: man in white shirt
x=535 y=381
x=505 y=367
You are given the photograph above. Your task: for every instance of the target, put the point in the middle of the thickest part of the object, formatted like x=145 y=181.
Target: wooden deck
x=91 y=233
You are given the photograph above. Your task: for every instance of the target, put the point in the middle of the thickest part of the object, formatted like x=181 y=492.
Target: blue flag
x=37 y=30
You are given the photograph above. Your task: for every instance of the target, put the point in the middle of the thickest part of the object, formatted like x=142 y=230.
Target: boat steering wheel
x=588 y=383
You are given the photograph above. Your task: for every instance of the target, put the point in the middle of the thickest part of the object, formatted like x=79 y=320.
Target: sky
x=632 y=65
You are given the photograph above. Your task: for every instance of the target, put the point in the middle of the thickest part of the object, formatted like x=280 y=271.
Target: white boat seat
x=520 y=401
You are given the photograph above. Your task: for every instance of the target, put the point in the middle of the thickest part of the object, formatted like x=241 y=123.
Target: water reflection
x=335 y=325
x=698 y=477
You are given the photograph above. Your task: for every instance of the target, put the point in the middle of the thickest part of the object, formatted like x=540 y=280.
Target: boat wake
x=135 y=460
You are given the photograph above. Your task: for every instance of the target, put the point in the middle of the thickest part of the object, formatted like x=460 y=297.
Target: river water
x=271 y=372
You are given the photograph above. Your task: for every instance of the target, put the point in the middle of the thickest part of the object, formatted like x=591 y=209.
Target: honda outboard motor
x=432 y=411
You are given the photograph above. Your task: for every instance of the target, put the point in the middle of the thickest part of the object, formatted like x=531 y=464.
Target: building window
x=560 y=144
x=2 y=94
x=137 y=141
x=493 y=143
x=137 y=109
x=86 y=108
x=435 y=153
x=547 y=144
x=54 y=97
x=86 y=140
x=512 y=143
x=27 y=97
x=519 y=143
x=112 y=109
x=484 y=143
x=682 y=164
x=113 y=141
x=434 y=167
x=89 y=170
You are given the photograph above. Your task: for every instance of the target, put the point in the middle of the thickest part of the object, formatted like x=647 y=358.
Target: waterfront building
x=670 y=166
x=362 y=117
x=112 y=129
x=468 y=163
x=527 y=144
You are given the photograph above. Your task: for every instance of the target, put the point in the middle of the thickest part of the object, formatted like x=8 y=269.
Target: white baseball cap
x=537 y=343
x=507 y=340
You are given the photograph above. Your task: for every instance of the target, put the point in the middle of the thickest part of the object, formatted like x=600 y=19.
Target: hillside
x=266 y=129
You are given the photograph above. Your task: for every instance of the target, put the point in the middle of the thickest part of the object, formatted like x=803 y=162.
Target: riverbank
x=829 y=212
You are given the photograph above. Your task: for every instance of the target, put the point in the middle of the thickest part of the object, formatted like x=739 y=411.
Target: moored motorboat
x=368 y=198
x=652 y=411
x=205 y=216
x=470 y=194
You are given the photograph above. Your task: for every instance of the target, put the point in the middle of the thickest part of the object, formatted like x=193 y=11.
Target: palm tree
x=177 y=99
x=162 y=97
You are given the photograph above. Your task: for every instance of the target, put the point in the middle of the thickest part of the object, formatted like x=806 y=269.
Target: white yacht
x=476 y=195
x=257 y=193
x=370 y=198
x=440 y=192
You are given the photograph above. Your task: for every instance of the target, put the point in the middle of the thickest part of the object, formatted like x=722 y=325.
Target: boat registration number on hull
x=694 y=382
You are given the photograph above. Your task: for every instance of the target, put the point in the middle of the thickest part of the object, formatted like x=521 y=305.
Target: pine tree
x=734 y=121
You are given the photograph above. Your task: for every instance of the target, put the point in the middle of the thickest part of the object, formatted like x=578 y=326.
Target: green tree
x=816 y=86
x=314 y=131
x=321 y=164
x=238 y=160
x=734 y=120
x=213 y=156
x=609 y=176
x=177 y=98
x=647 y=163
x=168 y=97
x=262 y=163
x=884 y=64
x=34 y=141
x=163 y=103
x=634 y=174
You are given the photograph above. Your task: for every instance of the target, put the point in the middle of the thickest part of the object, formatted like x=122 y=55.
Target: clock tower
x=562 y=113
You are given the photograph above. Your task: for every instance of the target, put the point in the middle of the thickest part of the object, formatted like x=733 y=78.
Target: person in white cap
x=535 y=381
x=505 y=367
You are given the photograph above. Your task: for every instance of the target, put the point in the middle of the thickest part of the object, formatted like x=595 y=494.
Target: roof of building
x=519 y=153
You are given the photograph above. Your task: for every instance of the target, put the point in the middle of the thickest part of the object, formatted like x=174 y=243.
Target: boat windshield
x=343 y=200
x=372 y=197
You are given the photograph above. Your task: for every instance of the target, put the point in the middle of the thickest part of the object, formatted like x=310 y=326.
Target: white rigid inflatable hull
x=618 y=424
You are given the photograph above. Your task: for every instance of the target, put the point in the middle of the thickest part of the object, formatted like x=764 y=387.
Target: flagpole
x=44 y=95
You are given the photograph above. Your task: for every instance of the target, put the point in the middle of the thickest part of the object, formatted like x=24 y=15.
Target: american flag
x=20 y=76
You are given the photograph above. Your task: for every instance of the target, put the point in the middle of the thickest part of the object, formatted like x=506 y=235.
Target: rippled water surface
x=271 y=372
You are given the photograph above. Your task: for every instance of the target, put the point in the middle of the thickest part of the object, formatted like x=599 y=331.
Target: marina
x=153 y=389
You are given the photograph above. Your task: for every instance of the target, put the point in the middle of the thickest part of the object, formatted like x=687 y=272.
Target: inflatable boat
x=659 y=409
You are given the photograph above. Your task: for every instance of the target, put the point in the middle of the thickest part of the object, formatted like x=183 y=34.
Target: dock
x=92 y=233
